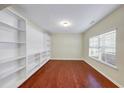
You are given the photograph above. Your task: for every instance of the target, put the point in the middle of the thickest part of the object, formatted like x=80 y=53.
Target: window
x=103 y=48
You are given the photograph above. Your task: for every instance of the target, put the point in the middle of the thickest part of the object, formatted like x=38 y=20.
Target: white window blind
x=103 y=48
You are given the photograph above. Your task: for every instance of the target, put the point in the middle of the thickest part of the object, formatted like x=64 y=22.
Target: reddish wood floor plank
x=67 y=74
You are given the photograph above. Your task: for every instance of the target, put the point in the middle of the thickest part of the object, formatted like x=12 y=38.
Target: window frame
x=101 y=61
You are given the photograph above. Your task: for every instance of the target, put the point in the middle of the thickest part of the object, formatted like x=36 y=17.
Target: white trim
x=116 y=83
x=66 y=59
x=107 y=64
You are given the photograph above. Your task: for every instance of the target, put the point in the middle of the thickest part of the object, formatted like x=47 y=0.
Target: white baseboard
x=116 y=83
x=66 y=58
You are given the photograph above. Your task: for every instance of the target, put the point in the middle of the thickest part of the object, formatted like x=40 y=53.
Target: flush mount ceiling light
x=65 y=23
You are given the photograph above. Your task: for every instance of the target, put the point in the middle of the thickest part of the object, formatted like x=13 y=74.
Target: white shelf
x=17 y=69
x=12 y=42
x=34 y=58
x=10 y=71
x=31 y=54
x=30 y=74
x=13 y=47
x=32 y=66
x=10 y=27
x=16 y=84
x=11 y=59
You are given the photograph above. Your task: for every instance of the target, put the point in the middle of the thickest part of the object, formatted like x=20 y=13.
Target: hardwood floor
x=67 y=74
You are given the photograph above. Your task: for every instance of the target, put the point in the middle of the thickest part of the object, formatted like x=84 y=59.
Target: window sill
x=112 y=66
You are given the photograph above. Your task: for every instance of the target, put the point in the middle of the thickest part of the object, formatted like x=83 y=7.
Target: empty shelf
x=11 y=59
x=10 y=71
x=31 y=54
x=12 y=42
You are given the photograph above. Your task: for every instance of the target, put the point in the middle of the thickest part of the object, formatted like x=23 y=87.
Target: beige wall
x=115 y=20
x=67 y=46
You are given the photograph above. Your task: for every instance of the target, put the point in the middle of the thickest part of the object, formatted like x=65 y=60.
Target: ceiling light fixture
x=65 y=23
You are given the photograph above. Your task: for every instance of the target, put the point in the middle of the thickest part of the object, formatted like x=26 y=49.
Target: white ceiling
x=80 y=15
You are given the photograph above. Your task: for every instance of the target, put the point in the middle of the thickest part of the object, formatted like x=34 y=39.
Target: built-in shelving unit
x=10 y=71
x=37 y=59
x=47 y=43
x=11 y=59
x=16 y=63
x=12 y=49
x=33 y=62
